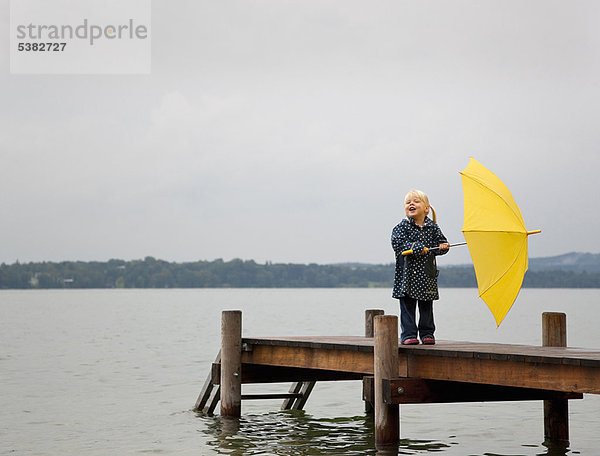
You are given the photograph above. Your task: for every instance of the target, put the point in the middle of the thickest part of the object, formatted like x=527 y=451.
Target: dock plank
x=452 y=349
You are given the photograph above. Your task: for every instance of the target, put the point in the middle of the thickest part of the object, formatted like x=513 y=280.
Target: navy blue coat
x=416 y=274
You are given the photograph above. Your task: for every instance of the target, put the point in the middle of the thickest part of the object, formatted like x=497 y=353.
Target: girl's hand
x=444 y=246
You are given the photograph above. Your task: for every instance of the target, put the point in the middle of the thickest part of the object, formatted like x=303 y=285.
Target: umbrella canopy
x=496 y=236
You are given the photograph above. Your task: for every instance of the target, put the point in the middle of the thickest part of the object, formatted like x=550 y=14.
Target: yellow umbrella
x=496 y=236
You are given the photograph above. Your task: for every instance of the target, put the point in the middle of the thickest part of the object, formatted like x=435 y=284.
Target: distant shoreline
x=574 y=270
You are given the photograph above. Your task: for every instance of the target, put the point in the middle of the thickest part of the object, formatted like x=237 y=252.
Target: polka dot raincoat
x=416 y=274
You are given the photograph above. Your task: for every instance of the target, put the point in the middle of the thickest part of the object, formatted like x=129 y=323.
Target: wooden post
x=556 y=411
x=231 y=363
x=387 y=417
x=370 y=314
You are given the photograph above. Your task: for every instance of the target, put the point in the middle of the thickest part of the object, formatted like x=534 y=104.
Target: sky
x=290 y=131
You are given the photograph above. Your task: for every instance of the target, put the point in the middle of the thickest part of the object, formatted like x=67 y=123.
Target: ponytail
x=434 y=217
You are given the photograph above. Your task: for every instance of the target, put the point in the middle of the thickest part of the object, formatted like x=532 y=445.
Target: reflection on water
x=297 y=433
x=289 y=433
x=557 y=449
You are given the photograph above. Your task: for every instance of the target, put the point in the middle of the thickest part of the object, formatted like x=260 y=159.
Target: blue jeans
x=408 y=308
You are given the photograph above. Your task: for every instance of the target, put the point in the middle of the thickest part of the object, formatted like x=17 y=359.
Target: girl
x=415 y=281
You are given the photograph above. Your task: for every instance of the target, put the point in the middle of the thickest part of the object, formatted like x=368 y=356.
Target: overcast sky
x=290 y=131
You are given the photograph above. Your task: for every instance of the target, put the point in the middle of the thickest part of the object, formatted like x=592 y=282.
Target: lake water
x=104 y=372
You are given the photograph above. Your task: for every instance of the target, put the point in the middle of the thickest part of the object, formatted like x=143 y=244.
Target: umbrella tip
x=534 y=232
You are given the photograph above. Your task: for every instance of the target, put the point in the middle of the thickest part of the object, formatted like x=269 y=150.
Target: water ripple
x=296 y=433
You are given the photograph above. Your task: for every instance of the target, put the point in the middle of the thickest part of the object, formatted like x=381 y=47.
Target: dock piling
x=385 y=357
x=556 y=411
x=231 y=363
x=370 y=314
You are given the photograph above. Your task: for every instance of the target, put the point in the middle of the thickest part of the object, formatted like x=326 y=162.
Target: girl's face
x=416 y=208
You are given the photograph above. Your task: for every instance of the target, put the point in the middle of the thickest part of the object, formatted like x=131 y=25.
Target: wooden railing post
x=231 y=363
x=556 y=411
x=387 y=417
x=370 y=314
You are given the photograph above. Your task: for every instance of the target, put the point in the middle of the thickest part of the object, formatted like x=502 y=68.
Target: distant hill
x=574 y=261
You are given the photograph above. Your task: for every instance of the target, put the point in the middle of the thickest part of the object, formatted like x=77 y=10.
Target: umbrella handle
x=410 y=252
x=427 y=249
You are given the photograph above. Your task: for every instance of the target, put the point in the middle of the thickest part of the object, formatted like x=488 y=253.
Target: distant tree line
x=153 y=273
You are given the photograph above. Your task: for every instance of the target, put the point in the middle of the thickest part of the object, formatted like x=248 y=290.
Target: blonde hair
x=423 y=197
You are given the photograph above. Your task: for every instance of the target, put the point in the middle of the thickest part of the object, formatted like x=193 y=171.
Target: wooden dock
x=393 y=374
x=548 y=368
